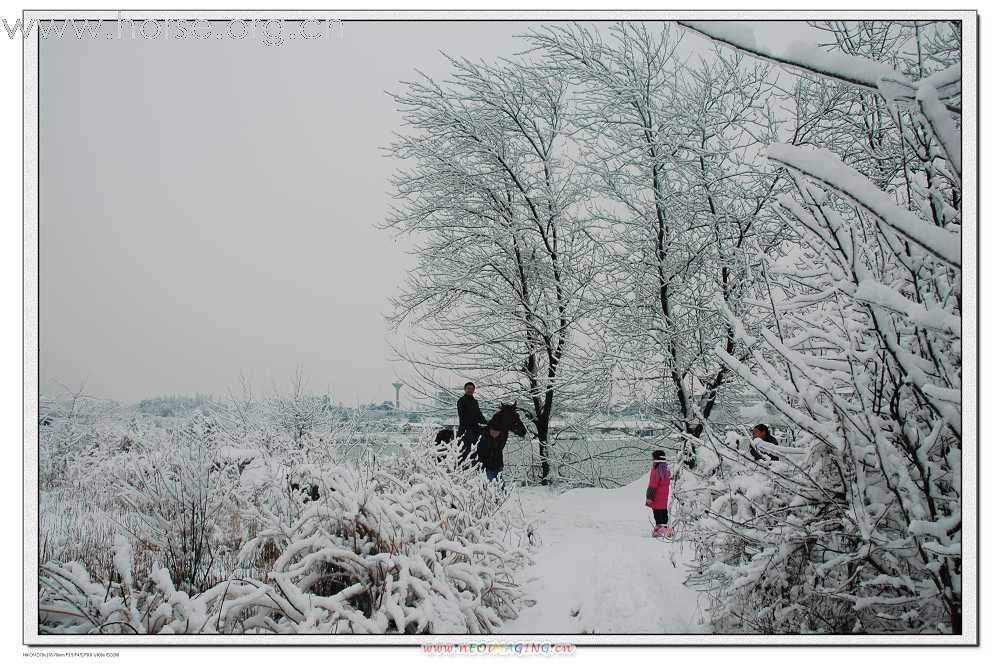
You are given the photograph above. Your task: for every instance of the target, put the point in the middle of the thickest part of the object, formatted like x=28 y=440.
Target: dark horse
x=493 y=438
x=442 y=442
x=444 y=436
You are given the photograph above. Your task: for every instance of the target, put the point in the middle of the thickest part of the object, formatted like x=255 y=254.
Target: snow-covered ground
x=597 y=569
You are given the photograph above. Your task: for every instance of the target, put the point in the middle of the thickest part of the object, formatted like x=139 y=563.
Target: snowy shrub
x=68 y=431
x=298 y=413
x=857 y=527
x=179 y=494
x=72 y=602
x=408 y=542
x=405 y=545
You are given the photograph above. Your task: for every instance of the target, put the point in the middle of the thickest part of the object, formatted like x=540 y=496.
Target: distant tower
x=397 y=386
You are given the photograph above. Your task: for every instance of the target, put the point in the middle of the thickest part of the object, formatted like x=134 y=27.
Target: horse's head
x=510 y=419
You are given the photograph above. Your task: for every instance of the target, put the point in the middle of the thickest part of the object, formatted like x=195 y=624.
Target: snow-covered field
x=397 y=540
x=596 y=568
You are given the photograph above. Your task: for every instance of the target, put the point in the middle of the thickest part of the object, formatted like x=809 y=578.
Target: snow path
x=596 y=568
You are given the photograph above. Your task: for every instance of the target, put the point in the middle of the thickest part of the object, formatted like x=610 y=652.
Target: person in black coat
x=762 y=432
x=490 y=453
x=470 y=420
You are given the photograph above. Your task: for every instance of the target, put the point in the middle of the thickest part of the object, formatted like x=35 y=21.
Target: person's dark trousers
x=498 y=478
x=660 y=516
x=469 y=440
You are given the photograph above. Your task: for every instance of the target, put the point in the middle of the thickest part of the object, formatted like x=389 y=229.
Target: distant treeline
x=174 y=405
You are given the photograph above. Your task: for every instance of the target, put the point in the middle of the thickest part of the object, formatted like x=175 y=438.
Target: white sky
x=207 y=207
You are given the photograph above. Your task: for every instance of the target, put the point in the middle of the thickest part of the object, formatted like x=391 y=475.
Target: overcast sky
x=208 y=206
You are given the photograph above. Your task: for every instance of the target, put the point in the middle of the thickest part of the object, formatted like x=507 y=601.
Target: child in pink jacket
x=658 y=494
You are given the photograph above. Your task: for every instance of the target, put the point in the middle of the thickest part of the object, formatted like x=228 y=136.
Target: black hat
x=659 y=455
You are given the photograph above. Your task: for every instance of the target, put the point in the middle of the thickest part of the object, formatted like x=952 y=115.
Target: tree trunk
x=543 y=447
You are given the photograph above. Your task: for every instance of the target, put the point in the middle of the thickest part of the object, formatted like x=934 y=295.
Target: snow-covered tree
x=671 y=140
x=504 y=259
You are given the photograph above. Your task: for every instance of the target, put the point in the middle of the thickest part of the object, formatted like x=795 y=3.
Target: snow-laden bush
x=857 y=526
x=68 y=430
x=754 y=525
x=404 y=546
x=396 y=543
x=180 y=495
x=81 y=452
x=71 y=601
